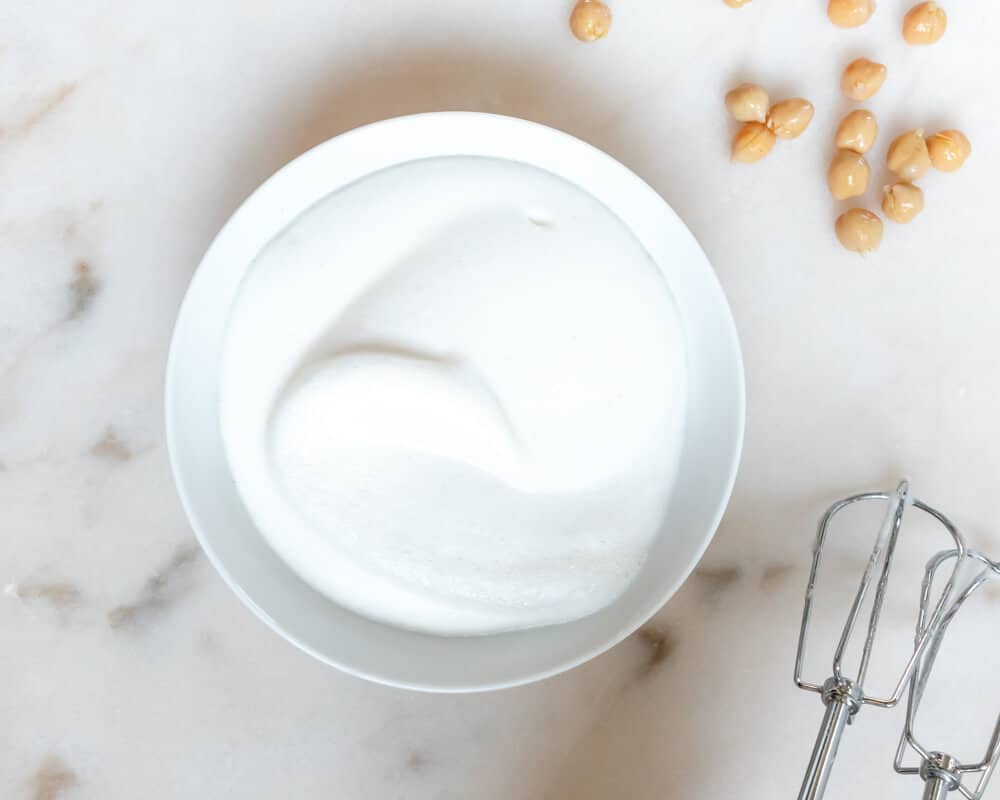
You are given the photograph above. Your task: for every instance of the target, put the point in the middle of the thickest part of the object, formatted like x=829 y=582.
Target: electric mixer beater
x=943 y=773
x=843 y=694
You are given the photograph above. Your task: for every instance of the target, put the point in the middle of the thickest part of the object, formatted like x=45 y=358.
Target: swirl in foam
x=453 y=397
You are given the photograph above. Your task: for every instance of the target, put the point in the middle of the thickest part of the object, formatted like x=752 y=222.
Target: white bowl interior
x=371 y=649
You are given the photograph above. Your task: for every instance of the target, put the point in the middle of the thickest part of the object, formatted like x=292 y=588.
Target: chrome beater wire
x=941 y=772
x=844 y=695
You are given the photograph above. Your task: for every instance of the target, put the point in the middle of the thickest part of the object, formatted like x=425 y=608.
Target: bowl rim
x=421 y=126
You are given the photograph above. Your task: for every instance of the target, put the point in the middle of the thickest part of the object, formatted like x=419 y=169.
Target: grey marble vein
x=111 y=447
x=62 y=595
x=773 y=575
x=659 y=643
x=717 y=580
x=83 y=289
x=52 y=779
x=417 y=762
x=48 y=104
x=159 y=591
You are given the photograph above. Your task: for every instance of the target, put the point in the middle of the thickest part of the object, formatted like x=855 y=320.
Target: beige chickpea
x=948 y=150
x=925 y=23
x=901 y=202
x=908 y=156
x=847 y=175
x=862 y=79
x=857 y=131
x=748 y=103
x=859 y=230
x=736 y=3
x=753 y=141
x=850 y=13
x=590 y=20
x=789 y=118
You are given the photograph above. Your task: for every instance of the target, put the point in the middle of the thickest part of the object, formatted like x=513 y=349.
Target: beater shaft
x=935 y=789
x=841 y=704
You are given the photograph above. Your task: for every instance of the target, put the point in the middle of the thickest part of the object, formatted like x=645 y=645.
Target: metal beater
x=941 y=772
x=842 y=695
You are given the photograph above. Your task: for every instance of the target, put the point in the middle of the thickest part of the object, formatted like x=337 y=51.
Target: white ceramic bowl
x=374 y=650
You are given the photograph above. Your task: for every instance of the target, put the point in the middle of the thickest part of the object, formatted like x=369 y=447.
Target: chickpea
x=925 y=23
x=862 y=79
x=857 y=131
x=850 y=13
x=908 y=156
x=736 y=3
x=789 y=118
x=848 y=175
x=753 y=141
x=901 y=202
x=948 y=150
x=748 y=103
x=590 y=20
x=859 y=230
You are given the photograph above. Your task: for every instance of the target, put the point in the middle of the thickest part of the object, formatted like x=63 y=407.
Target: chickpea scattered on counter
x=736 y=3
x=948 y=150
x=789 y=118
x=925 y=23
x=857 y=131
x=901 y=202
x=859 y=230
x=748 y=103
x=590 y=20
x=908 y=156
x=850 y=13
x=753 y=141
x=862 y=79
x=848 y=175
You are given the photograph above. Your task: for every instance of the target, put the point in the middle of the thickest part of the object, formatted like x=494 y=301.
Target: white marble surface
x=130 y=131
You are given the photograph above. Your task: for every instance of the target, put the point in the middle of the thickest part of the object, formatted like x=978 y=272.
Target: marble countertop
x=128 y=134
